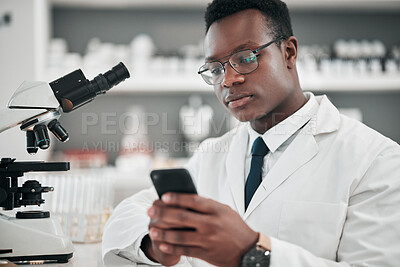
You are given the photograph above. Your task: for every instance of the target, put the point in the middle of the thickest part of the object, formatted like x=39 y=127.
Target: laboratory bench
x=85 y=255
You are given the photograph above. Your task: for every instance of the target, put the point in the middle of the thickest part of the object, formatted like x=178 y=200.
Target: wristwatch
x=258 y=255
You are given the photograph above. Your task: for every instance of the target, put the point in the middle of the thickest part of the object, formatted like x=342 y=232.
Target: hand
x=151 y=247
x=220 y=236
x=152 y=251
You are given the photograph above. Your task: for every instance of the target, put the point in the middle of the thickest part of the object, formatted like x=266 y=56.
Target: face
x=267 y=90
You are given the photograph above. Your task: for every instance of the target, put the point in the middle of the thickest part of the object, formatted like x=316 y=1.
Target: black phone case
x=172 y=180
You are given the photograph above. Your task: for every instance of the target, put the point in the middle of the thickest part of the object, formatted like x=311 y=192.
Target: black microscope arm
x=12 y=196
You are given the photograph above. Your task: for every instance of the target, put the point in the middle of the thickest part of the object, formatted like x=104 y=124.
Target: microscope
x=34 y=236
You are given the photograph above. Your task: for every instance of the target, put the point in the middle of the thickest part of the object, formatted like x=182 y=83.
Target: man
x=329 y=189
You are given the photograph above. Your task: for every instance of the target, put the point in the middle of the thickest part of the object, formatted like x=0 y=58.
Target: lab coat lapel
x=302 y=149
x=235 y=167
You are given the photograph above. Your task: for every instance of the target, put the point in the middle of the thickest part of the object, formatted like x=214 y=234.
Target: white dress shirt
x=279 y=137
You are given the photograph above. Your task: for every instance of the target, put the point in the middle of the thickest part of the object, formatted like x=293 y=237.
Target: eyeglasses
x=243 y=62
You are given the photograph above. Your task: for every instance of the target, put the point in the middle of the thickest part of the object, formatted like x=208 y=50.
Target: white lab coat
x=331 y=199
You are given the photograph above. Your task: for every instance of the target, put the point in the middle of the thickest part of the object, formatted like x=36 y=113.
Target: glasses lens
x=244 y=61
x=212 y=72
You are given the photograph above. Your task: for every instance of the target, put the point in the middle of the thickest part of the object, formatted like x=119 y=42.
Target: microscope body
x=32 y=236
x=34 y=240
x=35 y=236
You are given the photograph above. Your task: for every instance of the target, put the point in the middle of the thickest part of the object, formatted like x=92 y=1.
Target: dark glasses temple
x=268 y=44
x=200 y=72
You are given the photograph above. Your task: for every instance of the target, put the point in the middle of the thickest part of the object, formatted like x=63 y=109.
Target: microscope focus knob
x=32 y=193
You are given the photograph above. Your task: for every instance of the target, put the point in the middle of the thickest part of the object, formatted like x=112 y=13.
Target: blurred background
x=349 y=50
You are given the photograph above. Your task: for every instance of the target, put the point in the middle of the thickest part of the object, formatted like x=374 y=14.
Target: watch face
x=256 y=257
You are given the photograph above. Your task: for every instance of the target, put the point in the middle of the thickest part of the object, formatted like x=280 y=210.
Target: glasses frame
x=255 y=52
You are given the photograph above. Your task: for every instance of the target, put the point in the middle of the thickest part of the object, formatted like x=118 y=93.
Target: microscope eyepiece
x=117 y=74
x=74 y=90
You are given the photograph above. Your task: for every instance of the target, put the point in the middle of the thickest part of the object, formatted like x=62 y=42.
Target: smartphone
x=172 y=180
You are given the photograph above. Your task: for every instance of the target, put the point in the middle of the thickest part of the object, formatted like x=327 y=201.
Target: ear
x=290 y=51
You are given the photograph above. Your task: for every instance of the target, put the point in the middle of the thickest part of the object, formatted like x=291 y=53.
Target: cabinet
x=201 y=4
x=23 y=41
x=172 y=23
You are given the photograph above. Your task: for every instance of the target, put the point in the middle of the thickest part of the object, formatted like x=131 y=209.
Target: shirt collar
x=281 y=132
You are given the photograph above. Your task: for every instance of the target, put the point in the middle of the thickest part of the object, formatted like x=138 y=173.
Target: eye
x=216 y=70
x=248 y=59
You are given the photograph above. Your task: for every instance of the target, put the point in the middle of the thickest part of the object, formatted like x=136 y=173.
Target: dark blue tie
x=254 y=179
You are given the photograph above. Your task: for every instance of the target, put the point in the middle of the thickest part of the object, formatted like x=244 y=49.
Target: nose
x=231 y=77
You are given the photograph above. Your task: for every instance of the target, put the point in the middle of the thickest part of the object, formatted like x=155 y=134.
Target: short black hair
x=275 y=12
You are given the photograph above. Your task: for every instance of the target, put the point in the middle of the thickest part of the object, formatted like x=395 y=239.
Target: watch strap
x=259 y=255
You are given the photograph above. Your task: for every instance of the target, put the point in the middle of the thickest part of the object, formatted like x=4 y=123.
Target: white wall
x=22 y=57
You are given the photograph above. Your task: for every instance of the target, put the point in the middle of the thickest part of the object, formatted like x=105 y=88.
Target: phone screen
x=172 y=180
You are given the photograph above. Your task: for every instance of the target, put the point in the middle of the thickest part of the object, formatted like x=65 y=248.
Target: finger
x=163 y=258
x=158 y=204
x=176 y=216
x=191 y=201
x=178 y=237
x=163 y=225
x=181 y=250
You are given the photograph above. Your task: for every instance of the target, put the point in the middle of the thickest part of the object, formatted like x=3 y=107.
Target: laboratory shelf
x=165 y=83
x=320 y=83
x=139 y=4
x=356 y=5
x=346 y=5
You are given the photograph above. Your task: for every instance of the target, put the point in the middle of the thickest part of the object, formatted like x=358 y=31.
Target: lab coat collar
x=281 y=132
x=327 y=119
x=302 y=149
